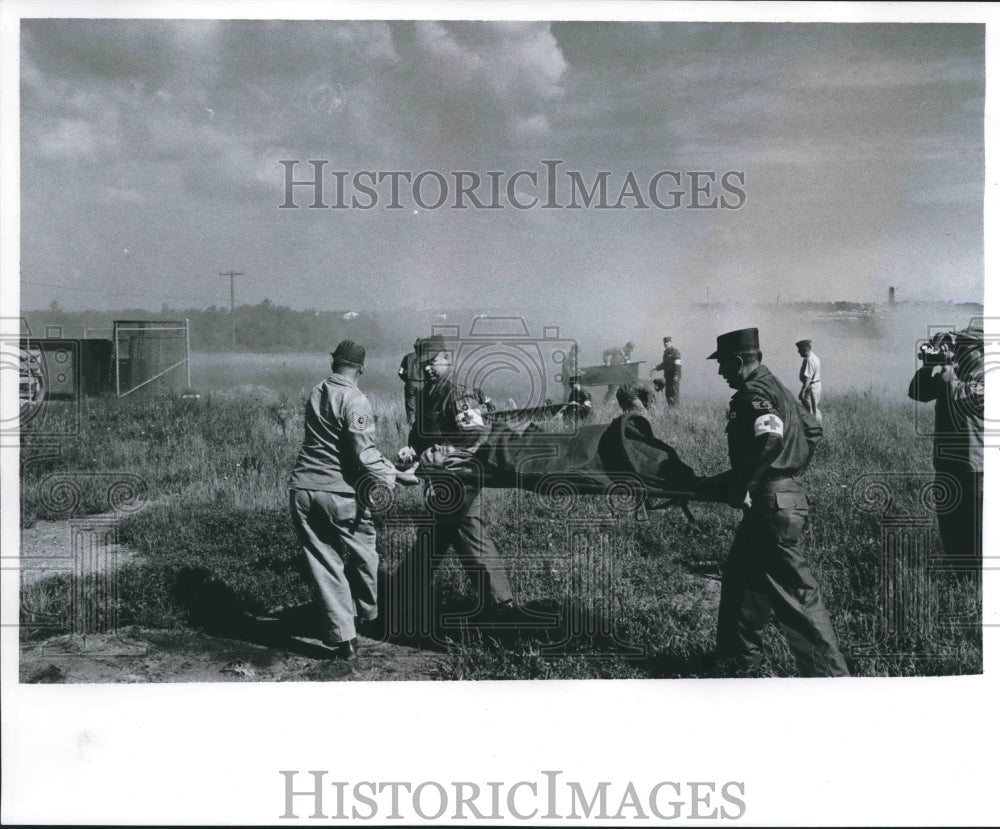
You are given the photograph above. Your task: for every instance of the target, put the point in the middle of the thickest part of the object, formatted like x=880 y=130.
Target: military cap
x=666 y=339
x=630 y=344
x=733 y=342
x=432 y=346
x=349 y=351
x=575 y=378
x=802 y=343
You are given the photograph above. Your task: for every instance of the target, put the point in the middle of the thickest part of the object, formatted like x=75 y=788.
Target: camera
x=938 y=351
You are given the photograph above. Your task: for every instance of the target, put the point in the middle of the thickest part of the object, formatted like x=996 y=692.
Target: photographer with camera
x=952 y=375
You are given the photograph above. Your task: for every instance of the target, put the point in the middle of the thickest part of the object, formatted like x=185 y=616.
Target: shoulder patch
x=360 y=420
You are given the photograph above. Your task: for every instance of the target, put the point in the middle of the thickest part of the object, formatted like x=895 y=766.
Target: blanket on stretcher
x=591 y=460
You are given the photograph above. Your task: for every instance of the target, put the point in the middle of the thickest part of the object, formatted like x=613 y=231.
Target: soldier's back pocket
x=340 y=509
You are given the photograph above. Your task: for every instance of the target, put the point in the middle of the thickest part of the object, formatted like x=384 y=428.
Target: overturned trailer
x=614 y=375
x=142 y=357
x=59 y=368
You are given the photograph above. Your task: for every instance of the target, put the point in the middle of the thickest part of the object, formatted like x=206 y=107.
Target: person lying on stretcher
x=592 y=458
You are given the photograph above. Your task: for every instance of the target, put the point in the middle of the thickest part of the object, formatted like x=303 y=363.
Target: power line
x=232 y=299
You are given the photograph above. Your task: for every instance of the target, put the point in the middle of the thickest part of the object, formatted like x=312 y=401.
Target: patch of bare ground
x=251 y=650
x=146 y=655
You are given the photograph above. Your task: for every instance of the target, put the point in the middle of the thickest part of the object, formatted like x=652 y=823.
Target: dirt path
x=145 y=655
x=89 y=544
x=79 y=545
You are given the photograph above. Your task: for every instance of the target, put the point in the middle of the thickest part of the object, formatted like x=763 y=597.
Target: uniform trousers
x=672 y=390
x=457 y=512
x=960 y=513
x=463 y=529
x=339 y=547
x=411 y=391
x=810 y=399
x=766 y=573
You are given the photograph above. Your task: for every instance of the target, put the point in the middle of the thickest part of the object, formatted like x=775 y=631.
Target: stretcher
x=622 y=461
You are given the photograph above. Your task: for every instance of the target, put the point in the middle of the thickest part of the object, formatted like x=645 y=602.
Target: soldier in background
x=771 y=441
x=412 y=376
x=809 y=377
x=634 y=398
x=617 y=356
x=570 y=369
x=579 y=404
x=671 y=368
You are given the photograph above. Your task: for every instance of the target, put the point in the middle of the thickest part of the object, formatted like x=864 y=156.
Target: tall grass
x=636 y=597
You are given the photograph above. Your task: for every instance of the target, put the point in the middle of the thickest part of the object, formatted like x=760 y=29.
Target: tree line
x=265 y=327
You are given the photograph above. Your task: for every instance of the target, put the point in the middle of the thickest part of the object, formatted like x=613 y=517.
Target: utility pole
x=232 y=299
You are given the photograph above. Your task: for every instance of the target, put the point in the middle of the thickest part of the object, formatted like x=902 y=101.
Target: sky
x=151 y=150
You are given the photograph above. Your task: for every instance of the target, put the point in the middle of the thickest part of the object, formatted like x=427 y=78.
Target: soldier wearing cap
x=957 y=389
x=579 y=403
x=617 y=356
x=812 y=388
x=449 y=417
x=633 y=397
x=670 y=365
x=771 y=441
x=571 y=369
x=337 y=459
x=412 y=375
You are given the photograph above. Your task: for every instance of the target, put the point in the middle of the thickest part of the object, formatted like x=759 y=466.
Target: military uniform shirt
x=339 y=444
x=442 y=404
x=767 y=431
x=671 y=363
x=615 y=356
x=409 y=369
x=809 y=373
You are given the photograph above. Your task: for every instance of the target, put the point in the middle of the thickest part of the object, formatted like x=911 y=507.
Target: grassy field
x=635 y=597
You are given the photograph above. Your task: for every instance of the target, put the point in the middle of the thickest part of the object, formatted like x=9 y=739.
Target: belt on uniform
x=772 y=479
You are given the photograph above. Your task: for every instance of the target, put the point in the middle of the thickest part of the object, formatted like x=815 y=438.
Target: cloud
x=481 y=85
x=173 y=130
